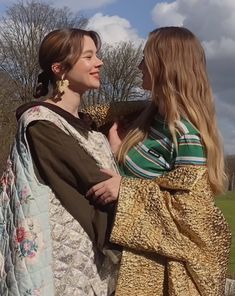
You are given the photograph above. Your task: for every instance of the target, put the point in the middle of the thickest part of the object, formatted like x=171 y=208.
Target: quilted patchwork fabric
x=25 y=242
x=43 y=249
x=74 y=270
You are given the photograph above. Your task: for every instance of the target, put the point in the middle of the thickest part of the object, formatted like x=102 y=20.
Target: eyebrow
x=88 y=51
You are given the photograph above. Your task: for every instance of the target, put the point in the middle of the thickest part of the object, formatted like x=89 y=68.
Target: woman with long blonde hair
x=176 y=241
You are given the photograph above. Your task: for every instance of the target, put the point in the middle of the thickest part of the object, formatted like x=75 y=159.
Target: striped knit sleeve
x=190 y=151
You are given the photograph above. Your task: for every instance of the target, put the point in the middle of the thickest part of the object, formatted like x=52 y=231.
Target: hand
x=114 y=138
x=106 y=191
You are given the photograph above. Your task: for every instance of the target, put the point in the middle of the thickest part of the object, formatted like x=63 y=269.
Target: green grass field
x=227 y=205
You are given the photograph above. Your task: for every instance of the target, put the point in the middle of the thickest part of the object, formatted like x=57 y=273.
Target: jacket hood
x=25 y=107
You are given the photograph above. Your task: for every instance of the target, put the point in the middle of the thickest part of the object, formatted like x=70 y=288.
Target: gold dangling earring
x=61 y=85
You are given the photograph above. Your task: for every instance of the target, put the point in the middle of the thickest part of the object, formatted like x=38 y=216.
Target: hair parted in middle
x=176 y=63
x=62 y=46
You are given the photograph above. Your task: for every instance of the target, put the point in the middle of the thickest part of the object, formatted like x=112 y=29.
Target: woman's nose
x=99 y=62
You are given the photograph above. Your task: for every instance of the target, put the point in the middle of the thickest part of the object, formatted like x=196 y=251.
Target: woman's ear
x=56 y=68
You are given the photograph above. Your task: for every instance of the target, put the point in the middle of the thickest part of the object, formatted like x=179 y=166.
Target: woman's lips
x=96 y=75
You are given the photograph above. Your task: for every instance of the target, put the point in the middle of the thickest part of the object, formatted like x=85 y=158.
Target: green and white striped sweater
x=157 y=154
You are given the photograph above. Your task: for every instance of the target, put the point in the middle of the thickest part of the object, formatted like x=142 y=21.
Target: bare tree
x=8 y=105
x=120 y=76
x=22 y=29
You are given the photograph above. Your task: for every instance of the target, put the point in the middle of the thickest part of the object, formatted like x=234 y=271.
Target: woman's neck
x=70 y=101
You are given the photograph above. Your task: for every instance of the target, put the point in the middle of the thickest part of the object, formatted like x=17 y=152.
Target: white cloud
x=114 y=29
x=166 y=14
x=220 y=48
x=79 y=5
x=213 y=21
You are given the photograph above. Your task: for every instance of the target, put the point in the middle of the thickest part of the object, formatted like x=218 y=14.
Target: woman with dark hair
x=53 y=241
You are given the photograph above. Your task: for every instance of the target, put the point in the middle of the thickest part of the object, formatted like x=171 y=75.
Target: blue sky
x=138 y=12
x=212 y=21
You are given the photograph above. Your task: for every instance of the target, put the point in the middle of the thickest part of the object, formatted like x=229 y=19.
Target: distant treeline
x=230 y=169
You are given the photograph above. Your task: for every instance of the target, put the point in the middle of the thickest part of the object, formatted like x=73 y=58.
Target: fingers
x=101 y=196
x=104 y=198
x=114 y=127
x=105 y=191
x=98 y=192
x=108 y=200
x=94 y=189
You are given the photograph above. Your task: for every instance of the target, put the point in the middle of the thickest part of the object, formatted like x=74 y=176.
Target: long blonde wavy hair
x=175 y=61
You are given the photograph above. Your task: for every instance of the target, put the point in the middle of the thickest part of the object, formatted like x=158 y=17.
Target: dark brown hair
x=62 y=46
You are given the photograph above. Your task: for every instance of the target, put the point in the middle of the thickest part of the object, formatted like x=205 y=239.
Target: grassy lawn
x=227 y=205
